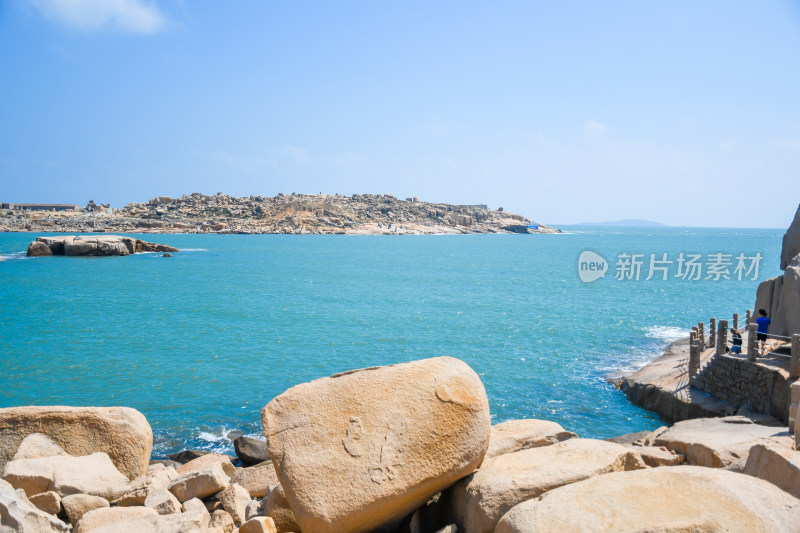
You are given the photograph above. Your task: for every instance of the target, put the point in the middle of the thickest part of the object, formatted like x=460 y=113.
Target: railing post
x=702 y=335
x=712 y=332
x=693 y=335
x=794 y=364
x=694 y=361
x=749 y=315
x=722 y=337
x=752 y=350
x=736 y=321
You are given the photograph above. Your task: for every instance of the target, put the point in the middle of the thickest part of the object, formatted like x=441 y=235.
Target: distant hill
x=627 y=222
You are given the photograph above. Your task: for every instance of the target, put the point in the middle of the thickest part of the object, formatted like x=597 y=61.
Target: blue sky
x=687 y=113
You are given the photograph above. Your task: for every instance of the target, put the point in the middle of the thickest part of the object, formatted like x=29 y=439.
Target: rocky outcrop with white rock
x=93 y=245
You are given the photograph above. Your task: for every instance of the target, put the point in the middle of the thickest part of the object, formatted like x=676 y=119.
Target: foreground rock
x=251 y=451
x=677 y=499
x=719 y=442
x=77 y=505
x=362 y=449
x=480 y=500
x=517 y=435
x=200 y=483
x=778 y=465
x=256 y=479
x=121 y=432
x=93 y=245
x=18 y=514
x=65 y=475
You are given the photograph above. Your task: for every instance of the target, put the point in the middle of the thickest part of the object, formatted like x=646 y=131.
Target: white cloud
x=132 y=16
x=594 y=128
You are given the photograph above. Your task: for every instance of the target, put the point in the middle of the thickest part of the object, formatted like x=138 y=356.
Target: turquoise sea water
x=200 y=342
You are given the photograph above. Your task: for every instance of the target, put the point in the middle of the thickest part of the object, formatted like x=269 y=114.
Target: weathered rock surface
x=222 y=521
x=251 y=451
x=678 y=499
x=37 y=445
x=199 y=483
x=655 y=456
x=17 y=514
x=276 y=506
x=121 y=432
x=185 y=456
x=778 y=465
x=38 y=249
x=93 y=474
x=481 y=499
x=517 y=435
x=234 y=500
x=718 y=442
x=194 y=519
x=156 y=479
x=256 y=479
x=76 y=505
x=163 y=501
x=49 y=502
x=103 y=516
x=208 y=459
x=791 y=241
x=365 y=448
x=259 y=524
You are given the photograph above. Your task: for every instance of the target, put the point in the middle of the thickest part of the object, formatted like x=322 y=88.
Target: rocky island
x=93 y=245
x=365 y=214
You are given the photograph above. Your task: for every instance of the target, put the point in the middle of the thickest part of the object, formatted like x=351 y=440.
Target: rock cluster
x=93 y=245
x=405 y=448
x=780 y=296
x=293 y=213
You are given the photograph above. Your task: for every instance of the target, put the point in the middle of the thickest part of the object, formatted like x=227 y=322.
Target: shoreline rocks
x=398 y=449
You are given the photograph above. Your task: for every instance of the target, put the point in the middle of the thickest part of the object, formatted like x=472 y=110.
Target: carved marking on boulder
x=353 y=436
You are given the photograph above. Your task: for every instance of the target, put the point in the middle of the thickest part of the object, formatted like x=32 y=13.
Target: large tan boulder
x=259 y=524
x=778 y=465
x=362 y=449
x=480 y=500
x=121 y=432
x=790 y=297
x=256 y=479
x=93 y=474
x=677 y=499
x=104 y=516
x=200 y=483
x=718 y=442
x=516 y=435
x=17 y=514
x=77 y=505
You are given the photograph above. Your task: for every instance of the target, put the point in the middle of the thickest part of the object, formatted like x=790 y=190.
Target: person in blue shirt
x=763 y=327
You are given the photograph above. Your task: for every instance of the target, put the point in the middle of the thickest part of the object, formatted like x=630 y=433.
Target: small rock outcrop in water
x=93 y=245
